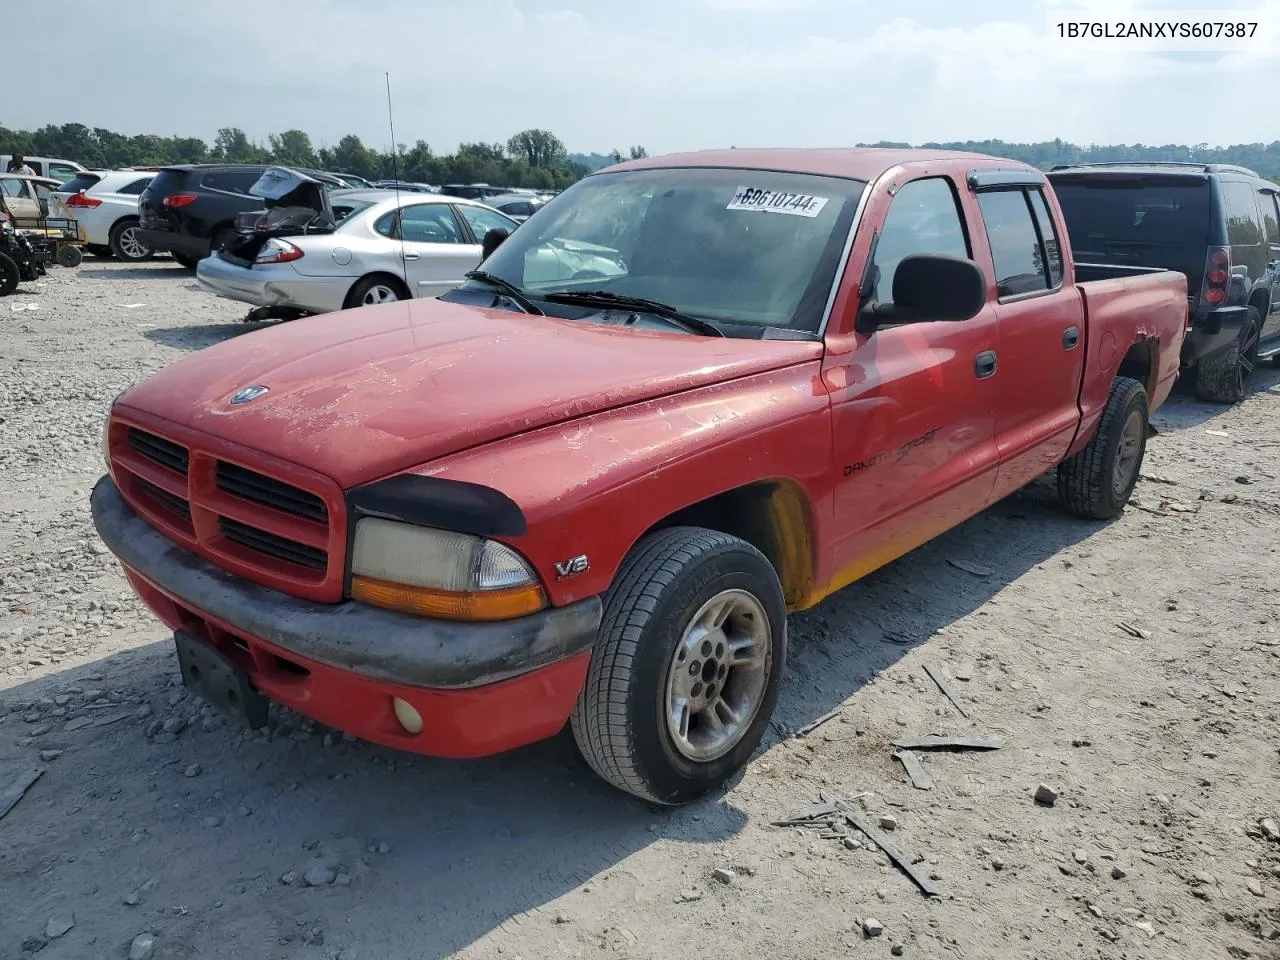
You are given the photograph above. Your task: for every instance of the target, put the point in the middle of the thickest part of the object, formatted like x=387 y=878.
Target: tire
x=69 y=256
x=186 y=261
x=670 y=581
x=100 y=251
x=125 y=243
x=10 y=277
x=1098 y=481
x=1225 y=377
x=375 y=290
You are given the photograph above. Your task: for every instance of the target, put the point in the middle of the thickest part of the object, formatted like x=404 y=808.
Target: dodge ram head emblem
x=572 y=567
x=247 y=394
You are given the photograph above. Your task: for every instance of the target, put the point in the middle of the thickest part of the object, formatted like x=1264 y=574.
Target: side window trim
x=1050 y=287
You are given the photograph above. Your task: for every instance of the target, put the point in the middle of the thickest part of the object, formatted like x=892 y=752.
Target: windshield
x=748 y=247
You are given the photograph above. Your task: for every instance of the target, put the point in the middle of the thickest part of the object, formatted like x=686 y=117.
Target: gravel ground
x=1130 y=666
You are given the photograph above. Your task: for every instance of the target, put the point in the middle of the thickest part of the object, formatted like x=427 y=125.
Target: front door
x=1042 y=337
x=1269 y=201
x=913 y=406
x=21 y=202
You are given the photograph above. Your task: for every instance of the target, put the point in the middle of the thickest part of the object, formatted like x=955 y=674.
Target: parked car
x=518 y=206
x=27 y=198
x=190 y=210
x=454 y=526
x=473 y=191
x=1219 y=224
x=354 y=182
x=383 y=249
x=51 y=167
x=405 y=186
x=105 y=204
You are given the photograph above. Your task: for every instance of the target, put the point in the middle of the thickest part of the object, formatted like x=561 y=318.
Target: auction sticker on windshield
x=777 y=201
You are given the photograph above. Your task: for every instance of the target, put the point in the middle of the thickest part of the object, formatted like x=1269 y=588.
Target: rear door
x=913 y=405
x=436 y=248
x=1269 y=205
x=1041 y=321
x=20 y=199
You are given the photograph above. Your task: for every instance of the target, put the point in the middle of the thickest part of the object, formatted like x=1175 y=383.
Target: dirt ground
x=158 y=828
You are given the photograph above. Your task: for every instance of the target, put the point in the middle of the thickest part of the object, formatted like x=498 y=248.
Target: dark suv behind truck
x=191 y=210
x=1216 y=223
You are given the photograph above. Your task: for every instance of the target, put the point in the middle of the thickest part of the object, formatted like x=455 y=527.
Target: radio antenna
x=395 y=178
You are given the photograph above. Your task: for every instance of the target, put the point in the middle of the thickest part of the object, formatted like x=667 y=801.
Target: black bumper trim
x=375 y=643
x=1212 y=331
x=166 y=241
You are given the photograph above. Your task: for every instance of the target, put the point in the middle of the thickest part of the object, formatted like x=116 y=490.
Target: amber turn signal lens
x=480 y=605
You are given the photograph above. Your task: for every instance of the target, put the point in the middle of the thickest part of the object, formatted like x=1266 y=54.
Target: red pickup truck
x=690 y=395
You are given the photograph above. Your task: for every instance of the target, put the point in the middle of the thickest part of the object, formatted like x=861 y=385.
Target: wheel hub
x=1127 y=457
x=718 y=675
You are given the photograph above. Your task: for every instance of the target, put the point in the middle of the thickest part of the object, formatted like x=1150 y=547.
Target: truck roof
x=857 y=163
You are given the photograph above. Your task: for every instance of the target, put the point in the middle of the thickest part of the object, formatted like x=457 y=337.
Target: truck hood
x=361 y=394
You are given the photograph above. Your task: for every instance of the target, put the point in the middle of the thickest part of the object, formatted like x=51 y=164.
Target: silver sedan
x=371 y=256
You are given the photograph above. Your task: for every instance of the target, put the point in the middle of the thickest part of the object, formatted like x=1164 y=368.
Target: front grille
x=270 y=492
x=166 y=499
x=159 y=450
x=281 y=548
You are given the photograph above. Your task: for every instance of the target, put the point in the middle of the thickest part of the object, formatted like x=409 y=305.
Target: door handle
x=413 y=256
x=1070 y=338
x=984 y=364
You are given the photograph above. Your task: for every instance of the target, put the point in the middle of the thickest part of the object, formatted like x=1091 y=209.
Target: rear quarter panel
x=595 y=485
x=1121 y=313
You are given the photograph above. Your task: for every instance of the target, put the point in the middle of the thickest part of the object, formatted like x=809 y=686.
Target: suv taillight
x=179 y=199
x=1217 y=275
x=82 y=201
x=278 y=251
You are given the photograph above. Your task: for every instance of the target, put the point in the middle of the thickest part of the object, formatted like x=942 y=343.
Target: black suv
x=1219 y=224
x=190 y=210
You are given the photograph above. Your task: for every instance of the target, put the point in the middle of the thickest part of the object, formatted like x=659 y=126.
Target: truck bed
x=1125 y=306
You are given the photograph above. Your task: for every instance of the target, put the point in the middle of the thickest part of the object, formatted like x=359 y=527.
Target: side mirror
x=930 y=287
x=492 y=241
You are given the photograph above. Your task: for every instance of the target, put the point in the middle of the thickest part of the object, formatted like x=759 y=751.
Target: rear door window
x=62 y=172
x=1016 y=249
x=422 y=223
x=136 y=187
x=1270 y=205
x=482 y=221
x=1243 y=229
x=1048 y=236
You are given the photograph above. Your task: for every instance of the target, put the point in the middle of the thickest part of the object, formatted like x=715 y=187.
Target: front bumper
x=480 y=688
x=1212 y=331
x=272 y=285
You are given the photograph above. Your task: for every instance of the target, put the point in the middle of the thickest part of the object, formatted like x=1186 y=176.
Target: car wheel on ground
x=100 y=251
x=372 y=291
x=1225 y=377
x=186 y=261
x=1098 y=481
x=686 y=668
x=126 y=244
x=9 y=275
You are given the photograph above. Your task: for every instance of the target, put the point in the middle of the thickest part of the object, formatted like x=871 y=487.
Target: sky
x=666 y=74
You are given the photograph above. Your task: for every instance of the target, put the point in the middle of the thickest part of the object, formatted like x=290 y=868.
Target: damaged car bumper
x=471 y=689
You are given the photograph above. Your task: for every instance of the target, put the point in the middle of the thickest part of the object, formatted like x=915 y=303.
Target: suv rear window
x=1137 y=220
x=167 y=182
x=81 y=181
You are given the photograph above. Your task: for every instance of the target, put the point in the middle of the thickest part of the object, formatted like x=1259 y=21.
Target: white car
x=105 y=204
x=370 y=256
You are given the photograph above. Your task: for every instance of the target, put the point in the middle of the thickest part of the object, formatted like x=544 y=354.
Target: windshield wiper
x=607 y=298
x=509 y=290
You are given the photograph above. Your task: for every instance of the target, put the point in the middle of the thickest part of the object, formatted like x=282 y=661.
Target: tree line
x=531 y=158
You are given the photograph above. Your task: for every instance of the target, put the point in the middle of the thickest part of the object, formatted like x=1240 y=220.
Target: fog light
x=409 y=718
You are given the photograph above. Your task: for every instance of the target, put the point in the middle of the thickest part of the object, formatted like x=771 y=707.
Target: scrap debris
x=977 y=569
x=11 y=794
x=915 y=769
x=892 y=852
x=944 y=685
x=1136 y=632
x=947 y=743
x=808 y=728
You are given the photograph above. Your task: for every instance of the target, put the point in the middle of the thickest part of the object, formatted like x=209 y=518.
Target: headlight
x=437 y=573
